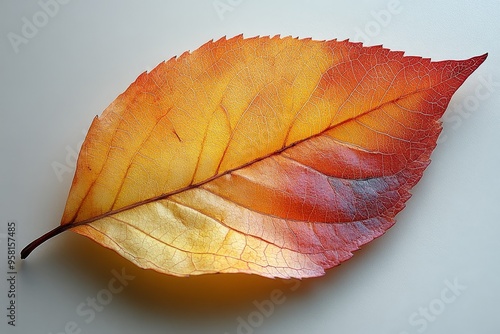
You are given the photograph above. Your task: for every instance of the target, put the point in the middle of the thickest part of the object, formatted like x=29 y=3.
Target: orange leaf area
x=271 y=156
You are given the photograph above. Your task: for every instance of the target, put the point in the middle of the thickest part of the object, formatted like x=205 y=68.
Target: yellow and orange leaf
x=272 y=156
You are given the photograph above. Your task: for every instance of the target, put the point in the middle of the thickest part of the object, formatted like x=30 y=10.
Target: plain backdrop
x=435 y=271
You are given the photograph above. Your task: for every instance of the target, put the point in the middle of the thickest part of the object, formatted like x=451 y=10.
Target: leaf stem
x=34 y=244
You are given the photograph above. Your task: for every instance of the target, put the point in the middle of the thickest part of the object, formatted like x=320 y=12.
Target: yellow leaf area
x=273 y=156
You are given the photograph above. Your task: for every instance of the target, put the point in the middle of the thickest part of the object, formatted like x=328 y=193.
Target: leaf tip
x=480 y=59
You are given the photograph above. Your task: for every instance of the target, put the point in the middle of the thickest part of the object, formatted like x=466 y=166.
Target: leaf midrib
x=72 y=224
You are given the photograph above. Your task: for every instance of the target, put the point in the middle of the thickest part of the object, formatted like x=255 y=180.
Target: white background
x=80 y=59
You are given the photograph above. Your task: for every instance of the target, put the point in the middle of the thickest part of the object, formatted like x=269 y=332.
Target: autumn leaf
x=271 y=156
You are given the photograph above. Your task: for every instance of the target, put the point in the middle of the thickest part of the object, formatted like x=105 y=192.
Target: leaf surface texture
x=272 y=156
